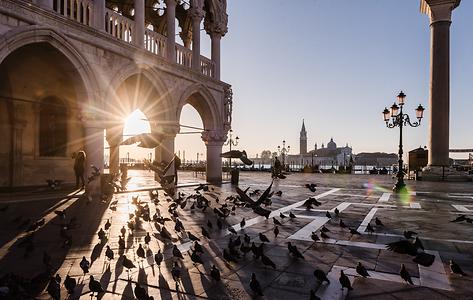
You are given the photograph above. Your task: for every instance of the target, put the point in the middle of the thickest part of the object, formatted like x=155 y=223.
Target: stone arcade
x=71 y=70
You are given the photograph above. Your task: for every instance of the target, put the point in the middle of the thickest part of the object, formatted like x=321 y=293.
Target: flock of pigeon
x=216 y=211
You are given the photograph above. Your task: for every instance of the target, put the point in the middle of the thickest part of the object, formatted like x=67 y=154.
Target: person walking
x=79 y=168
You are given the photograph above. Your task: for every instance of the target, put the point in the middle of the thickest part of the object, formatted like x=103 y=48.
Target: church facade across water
x=329 y=155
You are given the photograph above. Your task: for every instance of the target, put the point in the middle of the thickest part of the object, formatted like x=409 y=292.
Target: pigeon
x=158 y=257
x=263 y=238
x=70 y=284
x=360 y=269
x=196 y=258
x=165 y=234
x=140 y=252
x=278 y=193
x=247 y=238
x=255 y=285
x=324 y=229
x=291 y=215
x=140 y=292
x=369 y=228
x=123 y=231
x=311 y=187
x=128 y=264
x=276 y=231
x=192 y=237
x=215 y=273
x=321 y=276
x=282 y=216
x=107 y=225
x=95 y=286
x=378 y=222
x=314 y=237
x=328 y=215
x=176 y=252
x=245 y=249
x=276 y=222
x=345 y=281
x=54 y=288
x=242 y=223
x=455 y=268
x=405 y=275
x=294 y=251
x=313 y=296
x=342 y=224
x=109 y=253
x=336 y=211
x=147 y=238
x=84 y=265
x=267 y=261
x=232 y=230
x=176 y=272
x=101 y=234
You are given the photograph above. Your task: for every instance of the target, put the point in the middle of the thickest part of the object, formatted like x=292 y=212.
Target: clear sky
x=336 y=64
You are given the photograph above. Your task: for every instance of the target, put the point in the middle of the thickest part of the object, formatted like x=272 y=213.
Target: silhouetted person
x=177 y=164
x=79 y=168
x=277 y=167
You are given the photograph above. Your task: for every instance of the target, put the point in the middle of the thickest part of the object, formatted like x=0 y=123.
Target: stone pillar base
x=439 y=173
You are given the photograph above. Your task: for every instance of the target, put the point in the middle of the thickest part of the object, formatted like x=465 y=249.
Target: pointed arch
x=199 y=96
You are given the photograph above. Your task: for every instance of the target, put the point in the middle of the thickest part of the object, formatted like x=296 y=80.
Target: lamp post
x=400 y=119
x=283 y=152
x=231 y=142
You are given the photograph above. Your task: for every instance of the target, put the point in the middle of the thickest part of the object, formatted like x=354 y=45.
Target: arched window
x=52 y=127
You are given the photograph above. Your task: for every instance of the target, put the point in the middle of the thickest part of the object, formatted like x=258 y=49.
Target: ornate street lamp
x=283 y=152
x=400 y=119
x=231 y=142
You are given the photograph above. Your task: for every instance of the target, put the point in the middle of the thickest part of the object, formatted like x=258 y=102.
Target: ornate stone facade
x=102 y=62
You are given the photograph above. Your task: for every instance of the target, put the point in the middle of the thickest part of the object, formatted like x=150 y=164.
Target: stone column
x=171 y=30
x=94 y=145
x=139 y=17
x=215 y=39
x=114 y=137
x=99 y=14
x=214 y=141
x=197 y=13
x=439 y=101
x=18 y=129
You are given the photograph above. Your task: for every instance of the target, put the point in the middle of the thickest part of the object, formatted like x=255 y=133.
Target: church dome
x=331 y=145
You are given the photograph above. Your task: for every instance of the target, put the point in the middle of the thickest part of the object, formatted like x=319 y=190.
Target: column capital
x=196 y=11
x=439 y=10
x=214 y=137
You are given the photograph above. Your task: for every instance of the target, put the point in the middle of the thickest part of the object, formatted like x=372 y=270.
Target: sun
x=136 y=123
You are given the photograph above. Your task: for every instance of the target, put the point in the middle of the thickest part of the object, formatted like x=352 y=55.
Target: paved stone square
x=427 y=209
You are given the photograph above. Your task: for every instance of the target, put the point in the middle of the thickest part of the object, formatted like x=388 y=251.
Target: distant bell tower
x=303 y=139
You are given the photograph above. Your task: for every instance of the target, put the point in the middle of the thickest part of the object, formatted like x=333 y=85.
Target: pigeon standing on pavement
x=84 y=265
x=345 y=281
x=405 y=275
x=255 y=285
x=158 y=258
x=455 y=268
x=276 y=231
x=360 y=269
x=95 y=286
x=70 y=284
x=215 y=273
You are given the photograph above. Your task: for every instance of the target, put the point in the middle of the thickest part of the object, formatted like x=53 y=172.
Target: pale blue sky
x=337 y=64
